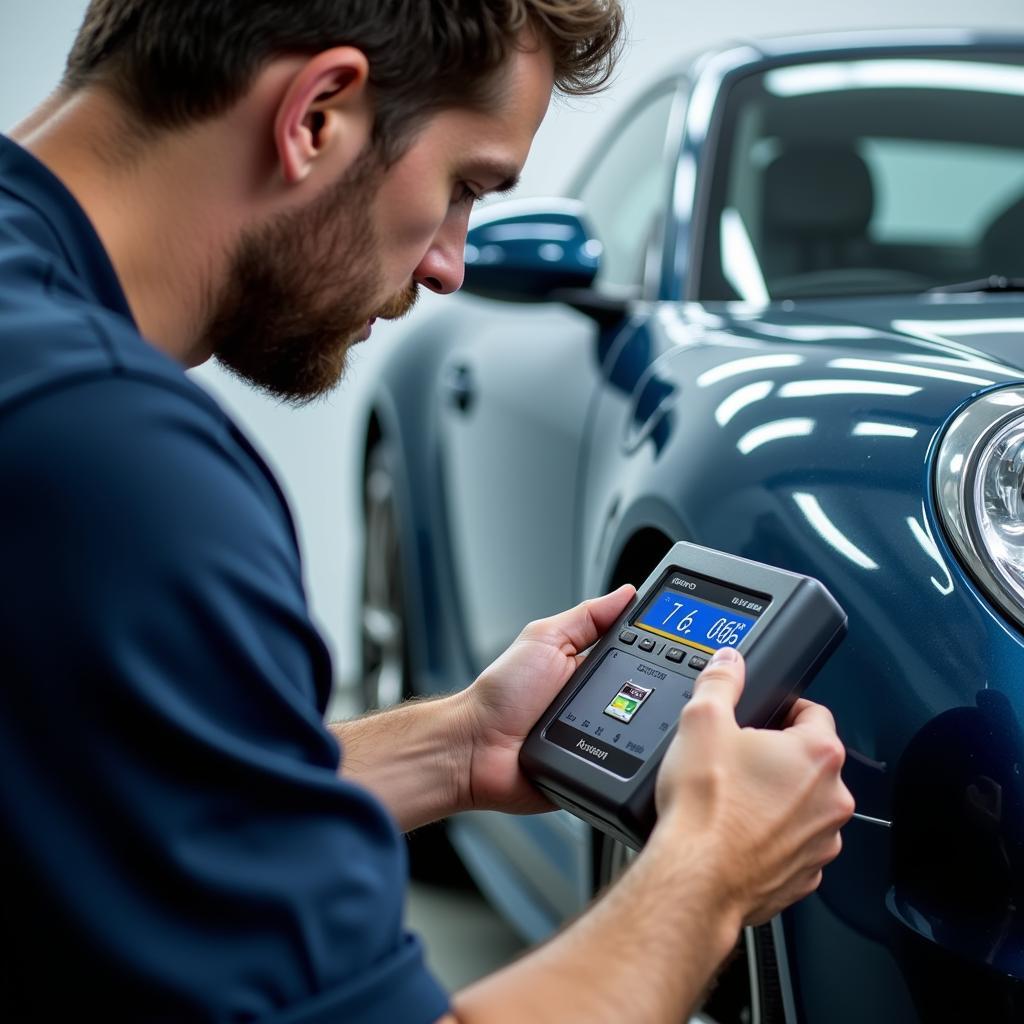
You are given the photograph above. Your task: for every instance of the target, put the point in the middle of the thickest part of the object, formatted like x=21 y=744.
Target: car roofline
x=772 y=49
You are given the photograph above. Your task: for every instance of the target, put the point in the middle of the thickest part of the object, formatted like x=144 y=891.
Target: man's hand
x=428 y=759
x=508 y=698
x=765 y=805
x=747 y=819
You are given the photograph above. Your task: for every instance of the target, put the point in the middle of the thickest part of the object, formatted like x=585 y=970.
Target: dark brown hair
x=173 y=62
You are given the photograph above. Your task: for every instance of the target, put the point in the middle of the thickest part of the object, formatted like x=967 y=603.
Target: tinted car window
x=627 y=189
x=867 y=176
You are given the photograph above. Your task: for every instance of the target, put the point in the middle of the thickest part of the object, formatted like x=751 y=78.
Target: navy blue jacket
x=177 y=842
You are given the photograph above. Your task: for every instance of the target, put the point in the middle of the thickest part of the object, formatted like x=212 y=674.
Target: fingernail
x=723 y=655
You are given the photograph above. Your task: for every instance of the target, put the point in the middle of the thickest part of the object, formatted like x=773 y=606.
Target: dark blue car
x=781 y=315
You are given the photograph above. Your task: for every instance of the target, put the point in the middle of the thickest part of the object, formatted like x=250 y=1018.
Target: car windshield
x=868 y=176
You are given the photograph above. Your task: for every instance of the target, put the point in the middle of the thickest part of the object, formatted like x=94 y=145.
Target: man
x=258 y=180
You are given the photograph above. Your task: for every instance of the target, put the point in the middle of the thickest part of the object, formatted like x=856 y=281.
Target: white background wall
x=314 y=449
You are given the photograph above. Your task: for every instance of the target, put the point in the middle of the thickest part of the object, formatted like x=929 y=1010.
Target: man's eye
x=466 y=195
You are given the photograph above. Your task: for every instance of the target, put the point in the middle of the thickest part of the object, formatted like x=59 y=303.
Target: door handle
x=460 y=387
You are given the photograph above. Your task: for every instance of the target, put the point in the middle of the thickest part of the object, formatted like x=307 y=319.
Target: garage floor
x=464 y=938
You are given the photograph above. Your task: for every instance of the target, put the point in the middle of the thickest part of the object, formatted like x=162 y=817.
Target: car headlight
x=979 y=483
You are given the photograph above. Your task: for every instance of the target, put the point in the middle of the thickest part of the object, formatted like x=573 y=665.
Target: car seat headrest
x=818 y=190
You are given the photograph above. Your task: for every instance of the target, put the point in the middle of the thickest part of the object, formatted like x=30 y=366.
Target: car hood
x=975 y=329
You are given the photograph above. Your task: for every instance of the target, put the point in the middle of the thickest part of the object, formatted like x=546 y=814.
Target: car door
x=513 y=407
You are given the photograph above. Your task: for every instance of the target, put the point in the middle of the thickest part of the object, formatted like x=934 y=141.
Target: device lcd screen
x=700 y=613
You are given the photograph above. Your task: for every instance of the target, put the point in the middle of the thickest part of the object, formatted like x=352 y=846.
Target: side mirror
x=527 y=250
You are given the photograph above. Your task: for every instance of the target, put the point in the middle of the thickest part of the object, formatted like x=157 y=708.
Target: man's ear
x=325 y=116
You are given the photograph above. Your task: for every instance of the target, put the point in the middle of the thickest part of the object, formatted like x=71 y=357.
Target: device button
x=698 y=663
x=647 y=644
x=675 y=654
x=627 y=636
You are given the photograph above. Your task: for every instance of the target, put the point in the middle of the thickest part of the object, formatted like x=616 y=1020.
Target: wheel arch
x=640 y=553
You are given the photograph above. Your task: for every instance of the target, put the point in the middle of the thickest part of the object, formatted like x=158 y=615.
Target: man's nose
x=443 y=269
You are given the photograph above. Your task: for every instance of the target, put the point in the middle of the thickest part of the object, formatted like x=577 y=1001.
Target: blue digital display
x=697 y=623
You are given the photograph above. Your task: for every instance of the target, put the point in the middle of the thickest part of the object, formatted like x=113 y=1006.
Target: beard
x=300 y=293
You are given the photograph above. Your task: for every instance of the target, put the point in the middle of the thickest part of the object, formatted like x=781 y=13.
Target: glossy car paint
x=537 y=447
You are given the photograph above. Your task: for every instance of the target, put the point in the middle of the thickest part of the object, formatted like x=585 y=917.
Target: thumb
x=722 y=681
x=605 y=610
x=584 y=625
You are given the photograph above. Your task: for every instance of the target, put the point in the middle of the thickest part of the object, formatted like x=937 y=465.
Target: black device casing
x=781 y=662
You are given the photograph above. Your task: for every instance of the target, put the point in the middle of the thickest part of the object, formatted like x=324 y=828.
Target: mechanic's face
x=308 y=286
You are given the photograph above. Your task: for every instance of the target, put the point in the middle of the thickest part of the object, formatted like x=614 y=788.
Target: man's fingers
x=722 y=681
x=806 y=715
x=584 y=625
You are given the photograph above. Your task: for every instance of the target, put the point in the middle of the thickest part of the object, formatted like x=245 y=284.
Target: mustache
x=401 y=305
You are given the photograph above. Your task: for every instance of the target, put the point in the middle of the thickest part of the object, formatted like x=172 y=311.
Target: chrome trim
x=657 y=246
x=955 y=473
x=709 y=75
x=753 y=975
x=782 y=963
x=872 y=821
x=620 y=857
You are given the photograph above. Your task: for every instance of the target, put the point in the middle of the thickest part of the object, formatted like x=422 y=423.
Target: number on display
x=726 y=632
x=682 y=627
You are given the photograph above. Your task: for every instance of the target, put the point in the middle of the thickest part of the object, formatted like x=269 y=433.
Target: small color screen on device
x=701 y=614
